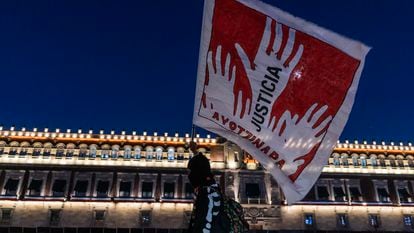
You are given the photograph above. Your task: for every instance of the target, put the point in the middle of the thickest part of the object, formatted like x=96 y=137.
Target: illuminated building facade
x=85 y=182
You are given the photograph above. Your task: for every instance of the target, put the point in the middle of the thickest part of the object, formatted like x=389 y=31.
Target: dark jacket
x=207 y=215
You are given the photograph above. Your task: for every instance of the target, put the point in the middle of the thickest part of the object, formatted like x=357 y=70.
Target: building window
x=400 y=162
x=344 y=159
x=149 y=153
x=342 y=220
x=6 y=215
x=170 y=155
x=127 y=152
x=83 y=151
x=58 y=188
x=310 y=196
x=99 y=215
x=169 y=189
x=81 y=188
x=36 y=151
x=46 y=152
x=92 y=151
x=392 y=163
x=11 y=187
x=374 y=220
x=114 y=153
x=60 y=152
x=125 y=189
x=147 y=189
x=13 y=151
x=355 y=194
x=23 y=151
x=382 y=162
x=383 y=195
x=54 y=216
x=404 y=195
x=180 y=154
x=70 y=148
x=105 y=154
x=145 y=217
x=102 y=188
x=339 y=193
x=309 y=220
x=363 y=161
x=188 y=191
x=35 y=187
x=408 y=221
x=336 y=161
x=323 y=193
x=374 y=162
x=355 y=161
x=410 y=162
x=137 y=152
x=252 y=190
x=158 y=152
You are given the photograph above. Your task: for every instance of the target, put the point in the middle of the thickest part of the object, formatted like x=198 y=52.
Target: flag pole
x=192 y=132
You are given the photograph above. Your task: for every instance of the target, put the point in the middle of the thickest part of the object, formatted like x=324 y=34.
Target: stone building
x=85 y=182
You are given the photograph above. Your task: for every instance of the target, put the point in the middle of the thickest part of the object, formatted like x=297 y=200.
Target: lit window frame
x=342 y=220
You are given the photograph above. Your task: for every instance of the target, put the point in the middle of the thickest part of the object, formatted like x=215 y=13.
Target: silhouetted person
x=207 y=214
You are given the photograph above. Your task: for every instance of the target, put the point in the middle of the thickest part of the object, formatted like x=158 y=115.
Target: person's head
x=200 y=171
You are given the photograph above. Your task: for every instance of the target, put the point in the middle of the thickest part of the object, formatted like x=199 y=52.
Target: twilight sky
x=131 y=65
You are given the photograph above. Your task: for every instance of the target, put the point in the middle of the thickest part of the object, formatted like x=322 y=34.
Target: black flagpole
x=192 y=132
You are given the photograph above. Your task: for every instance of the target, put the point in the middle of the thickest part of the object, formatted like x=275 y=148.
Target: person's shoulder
x=210 y=188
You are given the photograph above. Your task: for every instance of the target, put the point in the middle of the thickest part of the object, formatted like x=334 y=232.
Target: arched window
x=158 y=152
x=170 y=154
x=47 y=150
x=355 y=161
x=105 y=151
x=127 y=152
x=373 y=159
x=180 y=153
x=344 y=158
x=137 y=152
x=410 y=161
x=400 y=160
x=23 y=148
x=149 y=151
x=37 y=149
x=363 y=160
x=381 y=158
x=83 y=150
x=336 y=161
x=115 y=150
x=60 y=150
x=13 y=148
x=391 y=158
x=92 y=151
x=70 y=150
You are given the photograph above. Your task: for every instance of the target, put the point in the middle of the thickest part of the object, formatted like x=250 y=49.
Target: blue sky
x=131 y=65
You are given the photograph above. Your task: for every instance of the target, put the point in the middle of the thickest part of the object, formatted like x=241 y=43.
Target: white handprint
x=298 y=137
x=265 y=61
x=220 y=84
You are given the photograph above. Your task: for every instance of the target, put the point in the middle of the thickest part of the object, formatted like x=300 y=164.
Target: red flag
x=278 y=86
